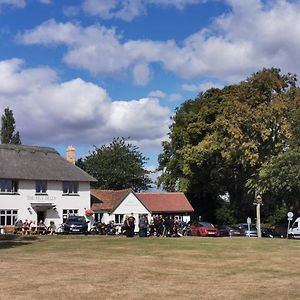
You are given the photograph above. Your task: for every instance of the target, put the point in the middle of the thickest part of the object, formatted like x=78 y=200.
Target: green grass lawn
x=100 y=267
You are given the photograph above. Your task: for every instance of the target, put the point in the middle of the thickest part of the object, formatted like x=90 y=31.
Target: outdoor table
x=41 y=230
x=25 y=229
x=18 y=229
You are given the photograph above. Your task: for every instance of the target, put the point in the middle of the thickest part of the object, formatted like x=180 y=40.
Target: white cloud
x=157 y=94
x=141 y=74
x=78 y=112
x=127 y=10
x=45 y=1
x=17 y=3
x=201 y=87
x=249 y=37
x=175 y=97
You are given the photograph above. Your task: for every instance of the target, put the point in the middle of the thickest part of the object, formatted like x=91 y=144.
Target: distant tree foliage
x=117 y=166
x=8 y=127
x=236 y=140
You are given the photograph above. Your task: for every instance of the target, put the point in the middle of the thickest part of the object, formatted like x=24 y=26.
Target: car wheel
x=291 y=236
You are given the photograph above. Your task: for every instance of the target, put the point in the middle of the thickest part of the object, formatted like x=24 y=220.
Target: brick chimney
x=70 y=154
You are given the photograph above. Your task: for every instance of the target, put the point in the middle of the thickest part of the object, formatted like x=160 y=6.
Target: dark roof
x=163 y=202
x=159 y=202
x=34 y=163
x=107 y=200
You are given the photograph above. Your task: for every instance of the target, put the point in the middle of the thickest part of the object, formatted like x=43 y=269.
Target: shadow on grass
x=12 y=240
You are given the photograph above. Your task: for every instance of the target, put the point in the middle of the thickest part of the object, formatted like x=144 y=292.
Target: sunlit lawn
x=100 y=267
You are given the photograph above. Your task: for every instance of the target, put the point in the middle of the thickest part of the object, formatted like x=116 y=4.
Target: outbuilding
x=114 y=205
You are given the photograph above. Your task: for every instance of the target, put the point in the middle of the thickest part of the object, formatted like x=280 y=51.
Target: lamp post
x=258 y=203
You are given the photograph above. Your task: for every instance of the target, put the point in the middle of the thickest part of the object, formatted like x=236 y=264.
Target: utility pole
x=258 y=203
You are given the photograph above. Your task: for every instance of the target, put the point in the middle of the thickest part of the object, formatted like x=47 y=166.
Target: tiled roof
x=32 y=163
x=107 y=200
x=165 y=202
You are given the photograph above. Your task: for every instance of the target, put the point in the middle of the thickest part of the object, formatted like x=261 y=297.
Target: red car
x=204 y=229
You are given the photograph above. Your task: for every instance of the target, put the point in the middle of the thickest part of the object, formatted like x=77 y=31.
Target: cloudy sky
x=84 y=71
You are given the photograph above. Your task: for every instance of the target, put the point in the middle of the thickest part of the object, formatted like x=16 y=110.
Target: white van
x=294 y=231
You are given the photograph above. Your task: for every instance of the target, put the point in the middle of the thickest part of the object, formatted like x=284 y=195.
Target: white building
x=36 y=183
x=109 y=205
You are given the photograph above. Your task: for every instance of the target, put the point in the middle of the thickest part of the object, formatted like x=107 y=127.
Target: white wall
x=128 y=206
x=22 y=202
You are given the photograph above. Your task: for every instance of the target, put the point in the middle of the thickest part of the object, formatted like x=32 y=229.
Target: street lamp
x=258 y=203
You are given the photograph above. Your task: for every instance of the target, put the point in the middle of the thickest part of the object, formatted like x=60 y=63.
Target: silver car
x=244 y=227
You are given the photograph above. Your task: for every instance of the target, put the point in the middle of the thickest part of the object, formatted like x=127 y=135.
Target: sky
x=81 y=72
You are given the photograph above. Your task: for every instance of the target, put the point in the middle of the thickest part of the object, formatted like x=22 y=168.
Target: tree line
x=224 y=147
x=229 y=144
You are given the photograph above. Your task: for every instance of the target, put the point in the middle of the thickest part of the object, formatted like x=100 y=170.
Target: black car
x=230 y=231
x=76 y=224
x=270 y=233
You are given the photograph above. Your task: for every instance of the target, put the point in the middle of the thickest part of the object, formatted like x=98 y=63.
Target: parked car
x=245 y=230
x=226 y=230
x=76 y=224
x=270 y=233
x=204 y=229
x=294 y=231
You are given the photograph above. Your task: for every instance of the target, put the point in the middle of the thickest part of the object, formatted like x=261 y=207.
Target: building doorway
x=40 y=216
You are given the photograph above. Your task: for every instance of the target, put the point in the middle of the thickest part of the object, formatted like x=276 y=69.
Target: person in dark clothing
x=159 y=226
x=143 y=226
x=131 y=225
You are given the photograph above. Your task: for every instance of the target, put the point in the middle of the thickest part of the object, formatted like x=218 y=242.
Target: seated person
x=26 y=227
x=42 y=228
x=18 y=226
x=32 y=227
x=51 y=229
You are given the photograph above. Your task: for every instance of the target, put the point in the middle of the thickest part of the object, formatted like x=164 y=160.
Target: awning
x=42 y=205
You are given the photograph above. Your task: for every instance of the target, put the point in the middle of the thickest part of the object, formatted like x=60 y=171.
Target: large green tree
x=9 y=135
x=225 y=137
x=119 y=165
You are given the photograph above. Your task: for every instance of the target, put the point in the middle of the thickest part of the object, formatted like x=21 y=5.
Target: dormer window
x=9 y=186
x=41 y=186
x=70 y=188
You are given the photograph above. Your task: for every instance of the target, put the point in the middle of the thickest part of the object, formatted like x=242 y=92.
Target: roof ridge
x=160 y=193
x=28 y=148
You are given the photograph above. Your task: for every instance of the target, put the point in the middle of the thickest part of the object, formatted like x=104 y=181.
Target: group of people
x=31 y=227
x=167 y=226
x=159 y=226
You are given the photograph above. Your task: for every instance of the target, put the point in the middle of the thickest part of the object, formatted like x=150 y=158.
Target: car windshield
x=245 y=227
x=76 y=220
x=235 y=228
x=205 y=224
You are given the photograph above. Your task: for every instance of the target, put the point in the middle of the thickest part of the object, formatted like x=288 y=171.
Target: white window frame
x=67 y=212
x=5 y=214
x=41 y=187
x=70 y=187
x=98 y=217
x=9 y=186
x=119 y=219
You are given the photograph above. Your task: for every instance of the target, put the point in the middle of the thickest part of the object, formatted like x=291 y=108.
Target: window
x=70 y=187
x=98 y=217
x=295 y=225
x=8 y=217
x=41 y=186
x=69 y=212
x=8 y=186
x=119 y=219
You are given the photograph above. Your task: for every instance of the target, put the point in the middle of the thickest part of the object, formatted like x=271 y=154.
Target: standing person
x=131 y=225
x=143 y=226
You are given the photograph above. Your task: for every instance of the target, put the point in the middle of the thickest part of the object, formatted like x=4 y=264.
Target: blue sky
x=82 y=72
